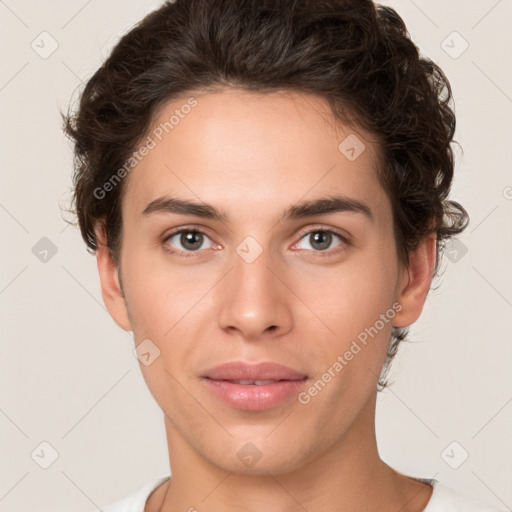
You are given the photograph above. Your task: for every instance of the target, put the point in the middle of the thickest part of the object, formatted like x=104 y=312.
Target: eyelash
x=324 y=253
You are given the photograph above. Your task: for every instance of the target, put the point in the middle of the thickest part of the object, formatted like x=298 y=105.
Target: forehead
x=253 y=152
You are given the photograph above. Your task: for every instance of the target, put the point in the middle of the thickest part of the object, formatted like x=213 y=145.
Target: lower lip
x=251 y=397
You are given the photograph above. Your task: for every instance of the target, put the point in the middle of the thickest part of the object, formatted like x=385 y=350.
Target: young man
x=265 y=184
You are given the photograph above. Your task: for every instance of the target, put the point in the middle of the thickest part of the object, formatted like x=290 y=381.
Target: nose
x=254 y=302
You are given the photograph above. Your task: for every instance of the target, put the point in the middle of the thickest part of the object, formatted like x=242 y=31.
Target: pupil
x=190 y=240
x=322 y=239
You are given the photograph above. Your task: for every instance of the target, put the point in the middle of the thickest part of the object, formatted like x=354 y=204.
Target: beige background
x=68 y=376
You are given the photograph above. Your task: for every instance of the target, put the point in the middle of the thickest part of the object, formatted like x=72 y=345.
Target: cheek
x=351 y=337
x=155 y=292
x=350 y=296
x=171 y=305
x=165 y=307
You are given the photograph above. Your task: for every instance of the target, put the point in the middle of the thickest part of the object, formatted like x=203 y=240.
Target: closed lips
x=239 y=372
x=253 y=382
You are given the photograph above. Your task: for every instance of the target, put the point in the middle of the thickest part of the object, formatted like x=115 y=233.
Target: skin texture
x=253 y=156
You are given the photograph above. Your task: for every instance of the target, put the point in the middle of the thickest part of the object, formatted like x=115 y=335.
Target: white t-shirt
x=443 y=499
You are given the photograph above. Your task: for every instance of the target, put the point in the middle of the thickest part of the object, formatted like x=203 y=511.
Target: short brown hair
x=357 y=55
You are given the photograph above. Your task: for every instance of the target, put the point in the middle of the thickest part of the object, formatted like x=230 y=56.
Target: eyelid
x=187 y=228
x=328 y=229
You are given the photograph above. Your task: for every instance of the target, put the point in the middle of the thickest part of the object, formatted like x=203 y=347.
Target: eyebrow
x=323 y=206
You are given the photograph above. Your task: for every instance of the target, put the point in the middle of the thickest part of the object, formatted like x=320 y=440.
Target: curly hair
x=355 y=54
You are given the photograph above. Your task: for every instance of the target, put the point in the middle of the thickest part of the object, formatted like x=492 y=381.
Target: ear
x=111 y=290
x=415 y=281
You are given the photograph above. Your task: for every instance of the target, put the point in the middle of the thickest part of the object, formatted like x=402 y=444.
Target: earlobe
x=111 y=289
x=416 y=280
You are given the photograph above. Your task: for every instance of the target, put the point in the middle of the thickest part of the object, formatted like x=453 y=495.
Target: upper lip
x=238 y=370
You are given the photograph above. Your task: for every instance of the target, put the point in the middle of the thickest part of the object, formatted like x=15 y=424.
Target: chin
x=260 y=458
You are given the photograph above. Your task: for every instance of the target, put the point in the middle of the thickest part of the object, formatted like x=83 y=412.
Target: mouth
x=254 y=387
x=253 y=382
x=250 y=374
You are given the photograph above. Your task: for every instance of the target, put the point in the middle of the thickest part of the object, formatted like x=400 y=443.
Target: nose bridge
x=252 y=301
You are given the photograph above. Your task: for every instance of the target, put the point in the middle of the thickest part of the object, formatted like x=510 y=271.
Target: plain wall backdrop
x=71 y=388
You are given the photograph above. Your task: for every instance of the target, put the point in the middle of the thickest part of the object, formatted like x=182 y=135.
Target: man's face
x=260 y=286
